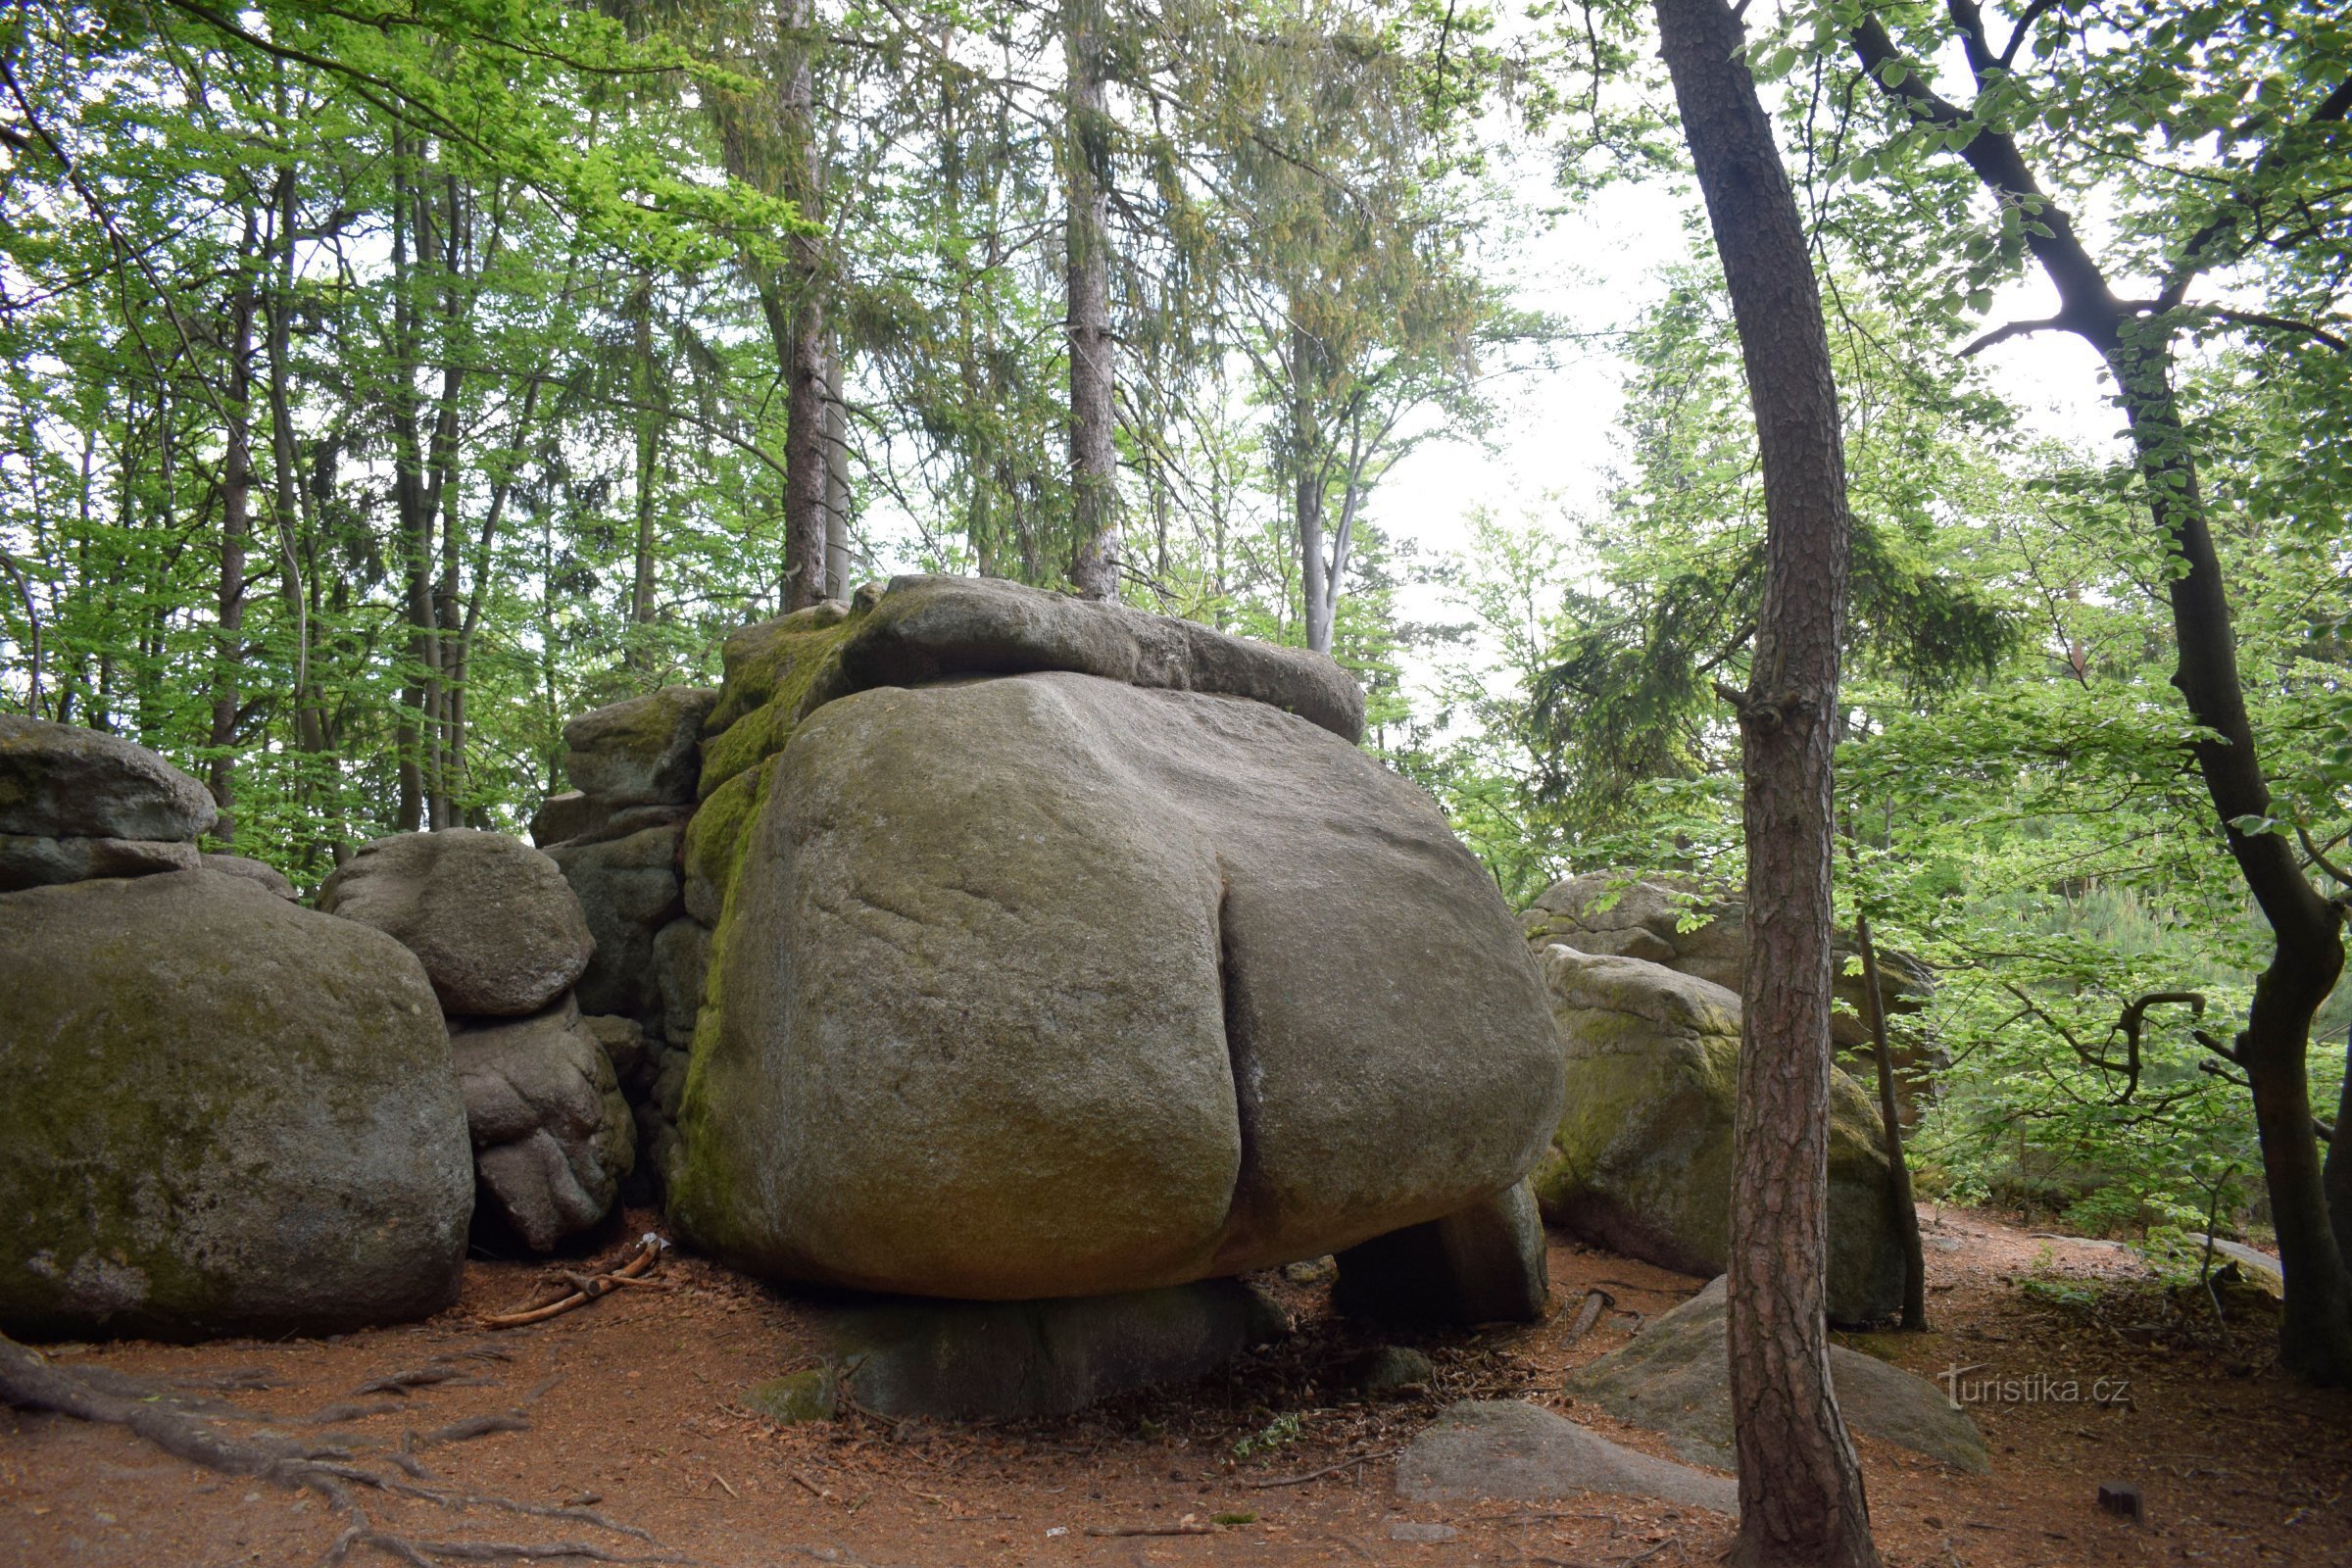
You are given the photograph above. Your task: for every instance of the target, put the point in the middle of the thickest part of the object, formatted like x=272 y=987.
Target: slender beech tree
x=1802 y=1499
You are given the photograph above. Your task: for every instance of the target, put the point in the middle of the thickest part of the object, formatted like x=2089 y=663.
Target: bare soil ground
x=627 y=1409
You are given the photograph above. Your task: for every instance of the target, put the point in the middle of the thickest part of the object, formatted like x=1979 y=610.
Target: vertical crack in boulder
x=1242 y=1052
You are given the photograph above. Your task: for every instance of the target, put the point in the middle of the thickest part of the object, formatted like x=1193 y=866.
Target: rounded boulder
x=227 y=1115
x=497 y=927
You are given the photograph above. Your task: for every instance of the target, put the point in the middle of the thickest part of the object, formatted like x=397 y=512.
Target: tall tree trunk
x=1801 y=1499
x=236 y=532
x=1310 y=487
x=837 y=483
x=646 y=394
x=1890 y=1132
x=804 y=355
x=1094 y=378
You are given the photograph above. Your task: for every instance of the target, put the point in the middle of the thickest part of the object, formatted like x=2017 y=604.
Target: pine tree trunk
x=1801 y=1499
x=1094 y=448
x=807 y=413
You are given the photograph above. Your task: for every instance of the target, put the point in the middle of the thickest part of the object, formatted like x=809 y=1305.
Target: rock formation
x=76 y=805
x=1642 y=1161
x=230 y=1115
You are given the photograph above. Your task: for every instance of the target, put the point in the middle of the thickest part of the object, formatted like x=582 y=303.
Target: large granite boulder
x=227 y=1115
x=493 y=921
x=1675 y=1379
x=1700 y=928
x=1514 y=1451
x=646 y=750
x=63 y=781
x=1642 y=1161
x=552 y=1136
x=1050 y=985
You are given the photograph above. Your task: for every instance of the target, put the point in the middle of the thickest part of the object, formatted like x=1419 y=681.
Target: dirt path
x=627 y=1408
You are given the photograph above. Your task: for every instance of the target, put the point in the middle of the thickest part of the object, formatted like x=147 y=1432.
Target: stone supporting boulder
x=1675 y=1379
x=498 y=930
x=29 y=860
x=227 y=1115
x=1049 y=985
x=1026 y=1361
x=1642 y=1161
x=1485 y=1264
x=552 y=1136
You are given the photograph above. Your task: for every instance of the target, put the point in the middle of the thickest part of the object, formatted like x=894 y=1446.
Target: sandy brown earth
x=626 y=1412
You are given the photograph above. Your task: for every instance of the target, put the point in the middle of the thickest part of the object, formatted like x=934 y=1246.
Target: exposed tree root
x=567 y=1290
x=29 y=1381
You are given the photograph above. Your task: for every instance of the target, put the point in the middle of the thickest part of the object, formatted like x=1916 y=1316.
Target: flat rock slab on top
x=1674 y=1380
x=65 y=781
x=493 y=921
x=30 y=860
x=1521 y=1452
x=646 y=750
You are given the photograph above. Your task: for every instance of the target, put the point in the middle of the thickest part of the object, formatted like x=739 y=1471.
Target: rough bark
x=1094 y=448
x=1801 y=1498
x=1891 y=1122
x=837 y=484
x=236 y=531
x=2307 y=951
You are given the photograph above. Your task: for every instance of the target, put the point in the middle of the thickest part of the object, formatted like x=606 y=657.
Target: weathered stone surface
x=1642 y=1162
x=1674 y=1379
x=498 y=930
x=552 y=1138
x=1485 y=1264
x=795 y=1398
x=259 y=873
x=1612 y=915
x=646 y=750
x=1511 y=1449
x=27 y=860
x=628 y=888
x=681 y=955
x=1010 y=963
x=65 y=781
x=564 y=817
x=980 y=1360
x=1387 y=1367
x=633 y=1054
x=226 y=1114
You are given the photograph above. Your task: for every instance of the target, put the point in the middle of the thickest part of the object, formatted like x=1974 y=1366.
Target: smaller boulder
x=29 y=860
x=1675 y=1379
x=497 y=926
x=63 y=781
x=1485 y=1264
x=1386 y=1369
x=552 y=1136
x=643 y=752
x=1642 y=1161
x=628 y=888
x=1521 y=1452
x=259 y=873
x=560 y=819
x=796 y=1397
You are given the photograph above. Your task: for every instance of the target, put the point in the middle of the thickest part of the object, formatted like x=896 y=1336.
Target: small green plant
x=1281 y=1431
